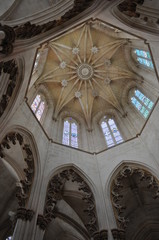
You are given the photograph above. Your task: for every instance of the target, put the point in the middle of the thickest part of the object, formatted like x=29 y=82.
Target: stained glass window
x=9 y=238
x=38 y=107
x=70 y=133
x=36 y=62
x=111 y=132
x=142 y=103
x=144 y=58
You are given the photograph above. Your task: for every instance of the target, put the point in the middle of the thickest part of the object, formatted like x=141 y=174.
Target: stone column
x=24 y=224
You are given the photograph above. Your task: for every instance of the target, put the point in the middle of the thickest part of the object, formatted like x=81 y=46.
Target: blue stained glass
x=66 y=131
x=142 y=53
x=150 y=105
x=9 y=238
x=147 y=63
x=144 y=58
x=144 y=105
x=70 y=133
x=40 y=111
x=74 y=142
x=146 y=113
x=35 y=103
x=112 y=134
x=115 y=131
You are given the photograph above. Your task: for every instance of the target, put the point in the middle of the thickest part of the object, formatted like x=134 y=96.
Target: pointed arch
x=11 y=75
x=17 y=138
x=134 y=189
x=63 y=179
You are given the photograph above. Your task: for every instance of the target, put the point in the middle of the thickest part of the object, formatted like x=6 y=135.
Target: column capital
x=118 y=234
x=101 y=235
x=25 y=214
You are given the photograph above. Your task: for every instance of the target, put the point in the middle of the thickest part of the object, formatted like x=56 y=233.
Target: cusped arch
x=59 y=178
x=12 y=137
x=12 y=75
x=133 y=189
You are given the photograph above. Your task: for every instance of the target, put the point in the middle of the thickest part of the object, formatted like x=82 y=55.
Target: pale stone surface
x=97 y=168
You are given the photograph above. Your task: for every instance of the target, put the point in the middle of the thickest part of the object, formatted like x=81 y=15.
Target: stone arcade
x=79 y=135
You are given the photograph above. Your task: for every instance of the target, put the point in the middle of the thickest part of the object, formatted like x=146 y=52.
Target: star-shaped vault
x=86 y=71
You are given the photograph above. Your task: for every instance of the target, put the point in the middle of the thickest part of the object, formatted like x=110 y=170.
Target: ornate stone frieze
x=25 y=214
x=54 y=193
x=118 y=184
x=101 y=235
x=29 y=30
x=7 y=38
x=118 y=234
x=24 y=186
x=10 y=67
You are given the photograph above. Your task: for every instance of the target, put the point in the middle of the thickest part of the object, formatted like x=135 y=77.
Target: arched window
x=111 y=132
x=144 y=58
x=38 y=106
x=70 y=133
x=36 y=62
x=142 y=103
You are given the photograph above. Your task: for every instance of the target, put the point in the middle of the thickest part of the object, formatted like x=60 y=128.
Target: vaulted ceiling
x=86 y=70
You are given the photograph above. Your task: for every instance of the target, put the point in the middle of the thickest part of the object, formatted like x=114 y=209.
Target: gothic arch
x=20 y=139
x=134 y=190
x=121 y=122
x=80 y=122
x=18 y=155
x=12 y=74
x=66 y=183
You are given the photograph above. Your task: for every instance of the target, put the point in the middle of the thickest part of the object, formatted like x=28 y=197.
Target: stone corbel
x=102 y=235
x=118 y=234
x=25 y=214
x=43 y=221
x=7 y=38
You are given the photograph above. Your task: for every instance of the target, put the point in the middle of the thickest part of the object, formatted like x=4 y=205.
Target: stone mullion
x=142 y=104
x=111 y=132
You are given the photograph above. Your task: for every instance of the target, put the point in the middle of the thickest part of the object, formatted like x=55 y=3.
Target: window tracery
x=70 y=133
x=111 y=132
x=144 y=58
x=38 y=106
x=142 y=103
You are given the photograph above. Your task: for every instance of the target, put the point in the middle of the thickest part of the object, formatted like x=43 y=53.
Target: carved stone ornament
x=118 y=234
x=9 y=67
x=54 y=193
x=117 y=197
x=102 y=235
x=7 y=38
x=24 y=186
x=128 y=7
x=24 y=214
x=29 y=30
x=43 y=222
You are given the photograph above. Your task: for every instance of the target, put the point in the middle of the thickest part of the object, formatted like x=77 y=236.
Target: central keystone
x=85 y=71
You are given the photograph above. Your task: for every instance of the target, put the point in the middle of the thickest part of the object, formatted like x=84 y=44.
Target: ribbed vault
x=86 y=70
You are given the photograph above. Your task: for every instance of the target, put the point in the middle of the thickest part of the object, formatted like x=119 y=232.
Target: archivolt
x=130 y=177
x=24 y=186
x=55 y=193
